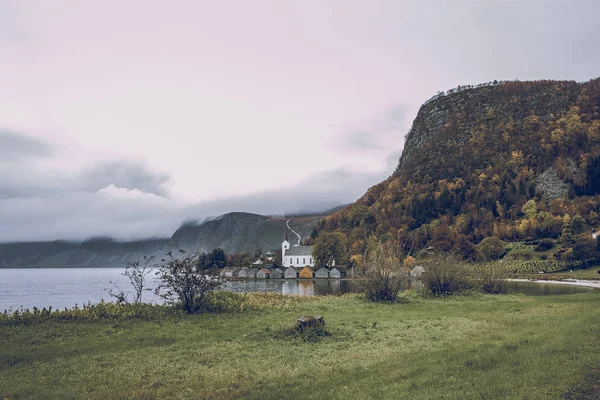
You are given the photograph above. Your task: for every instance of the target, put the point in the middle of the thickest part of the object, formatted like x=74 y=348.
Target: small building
x=263 y=274
x=337 y=273
x=276 y=274
x=228 y=272
x=322 y=273
x=269 y=253
x=306 y=272
x=290 y=273
x=251 y=273
x=257 y=262
x=242 y=273
x=296 y=255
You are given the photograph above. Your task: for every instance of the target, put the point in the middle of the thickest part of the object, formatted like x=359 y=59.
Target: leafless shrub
x=492 y=276
x=383 y=276
x=445 y=274
x=186 y=280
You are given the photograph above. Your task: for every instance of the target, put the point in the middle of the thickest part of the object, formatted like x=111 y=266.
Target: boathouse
x=337 y=273
x=322 y=273
x=263 y=274
x=306 y=272
x=276 y=274
x=252 y=273
x=290 y=273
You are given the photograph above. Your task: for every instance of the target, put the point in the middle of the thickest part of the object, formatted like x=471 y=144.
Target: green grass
x=587 y=273
x=462 y=347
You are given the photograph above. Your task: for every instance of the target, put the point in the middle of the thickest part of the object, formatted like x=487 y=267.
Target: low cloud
x=15 y=147
x=128 y=200
x=125 y=174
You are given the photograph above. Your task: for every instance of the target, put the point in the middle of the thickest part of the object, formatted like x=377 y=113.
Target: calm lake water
x=66 y=287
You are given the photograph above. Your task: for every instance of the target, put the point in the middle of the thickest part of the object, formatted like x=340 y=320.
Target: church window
x=303 y=260
x=310 y=260
x=297 y=261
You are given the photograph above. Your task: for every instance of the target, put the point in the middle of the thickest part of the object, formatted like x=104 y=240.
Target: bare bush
x=492 y=276
x=187 y=280
x=136 y=272
x=383 y=276
x=445 y=274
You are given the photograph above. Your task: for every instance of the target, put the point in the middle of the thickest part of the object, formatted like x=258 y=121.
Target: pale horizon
x=125 y=119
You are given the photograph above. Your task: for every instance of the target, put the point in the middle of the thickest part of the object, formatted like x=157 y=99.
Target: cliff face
x=241 y=232
x=475 y=155
x=444 y=133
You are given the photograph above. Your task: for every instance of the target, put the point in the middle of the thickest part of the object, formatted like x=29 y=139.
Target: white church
x=297 y=256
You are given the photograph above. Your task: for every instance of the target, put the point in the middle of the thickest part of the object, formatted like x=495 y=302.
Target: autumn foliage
x=471 y=169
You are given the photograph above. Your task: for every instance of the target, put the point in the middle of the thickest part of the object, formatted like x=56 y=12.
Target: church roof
x=299 y=251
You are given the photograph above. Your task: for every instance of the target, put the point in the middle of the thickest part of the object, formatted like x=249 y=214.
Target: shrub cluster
x=445 y=274
x=545 y=244
x=89 y=312
x=217 y=302
x=492 y=276
x=383 y=276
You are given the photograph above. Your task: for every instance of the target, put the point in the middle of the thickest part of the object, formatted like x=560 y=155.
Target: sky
x=127 y=118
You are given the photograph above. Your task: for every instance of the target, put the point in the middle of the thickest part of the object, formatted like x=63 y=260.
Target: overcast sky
x=125 y=118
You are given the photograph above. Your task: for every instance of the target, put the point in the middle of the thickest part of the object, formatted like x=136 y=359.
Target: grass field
x=463 y=347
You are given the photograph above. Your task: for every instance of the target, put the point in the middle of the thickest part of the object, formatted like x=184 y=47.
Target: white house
x=297 y=256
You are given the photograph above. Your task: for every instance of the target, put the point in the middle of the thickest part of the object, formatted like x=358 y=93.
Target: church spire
x=285 y=237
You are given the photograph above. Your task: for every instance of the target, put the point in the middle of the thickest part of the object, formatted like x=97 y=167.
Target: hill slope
x=475 y=156
x=240 y=232
x=233 y=232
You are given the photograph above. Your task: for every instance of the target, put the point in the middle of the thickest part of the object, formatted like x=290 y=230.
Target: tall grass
x=383 y=277
x=445 y=274
x=492 y=276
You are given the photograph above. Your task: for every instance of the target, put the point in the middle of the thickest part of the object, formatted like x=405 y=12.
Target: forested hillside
x=515 y=160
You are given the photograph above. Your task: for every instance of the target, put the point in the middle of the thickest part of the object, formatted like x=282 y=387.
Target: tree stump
x=306 y=322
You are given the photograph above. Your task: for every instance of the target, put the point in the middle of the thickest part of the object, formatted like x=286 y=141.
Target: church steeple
x=284 y=246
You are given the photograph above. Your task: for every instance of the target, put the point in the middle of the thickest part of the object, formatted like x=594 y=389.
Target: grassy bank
x=464 y=347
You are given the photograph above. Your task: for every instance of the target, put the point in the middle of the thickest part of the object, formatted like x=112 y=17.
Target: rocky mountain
x=472 y=160
x=233 y=232
x=239 y=232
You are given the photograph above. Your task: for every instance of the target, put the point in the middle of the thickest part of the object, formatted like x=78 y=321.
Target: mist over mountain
x=233 y=232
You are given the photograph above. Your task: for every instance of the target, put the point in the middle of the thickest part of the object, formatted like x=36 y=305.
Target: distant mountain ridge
x=234 y=232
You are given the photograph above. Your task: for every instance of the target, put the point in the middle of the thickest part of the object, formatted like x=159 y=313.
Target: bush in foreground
x=89 y=312
x=186 y=281
x=383 y=276
x=445 y=274
x=492 y=276
x=214 y=302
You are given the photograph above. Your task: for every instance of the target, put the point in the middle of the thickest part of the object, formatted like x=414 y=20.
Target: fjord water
x=66 y=287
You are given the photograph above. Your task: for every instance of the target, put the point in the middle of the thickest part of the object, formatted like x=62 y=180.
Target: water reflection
x=545 y=289
x=61 y=288
x=302 y=287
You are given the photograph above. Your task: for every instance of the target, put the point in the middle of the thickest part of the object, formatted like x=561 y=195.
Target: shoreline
x=572 y=282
